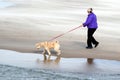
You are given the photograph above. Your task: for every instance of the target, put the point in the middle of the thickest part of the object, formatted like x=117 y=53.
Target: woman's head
x=89 y=10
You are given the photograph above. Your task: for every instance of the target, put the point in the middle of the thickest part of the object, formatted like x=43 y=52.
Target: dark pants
x=90 y=38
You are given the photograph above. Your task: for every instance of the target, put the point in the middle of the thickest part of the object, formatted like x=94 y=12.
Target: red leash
x=64 y=33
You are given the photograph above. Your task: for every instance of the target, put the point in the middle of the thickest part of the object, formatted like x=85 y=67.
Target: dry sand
x=24 y=24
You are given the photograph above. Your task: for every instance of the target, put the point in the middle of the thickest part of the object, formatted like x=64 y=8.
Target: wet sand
x=23 y=24
x=72 y=46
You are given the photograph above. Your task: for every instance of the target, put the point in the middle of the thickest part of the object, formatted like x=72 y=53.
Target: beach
x=23 y=23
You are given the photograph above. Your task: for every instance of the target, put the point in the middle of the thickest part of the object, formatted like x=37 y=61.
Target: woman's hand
x=81 y=25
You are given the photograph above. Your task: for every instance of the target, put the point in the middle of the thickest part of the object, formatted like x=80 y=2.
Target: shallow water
x=30 y=66
x=18 y=73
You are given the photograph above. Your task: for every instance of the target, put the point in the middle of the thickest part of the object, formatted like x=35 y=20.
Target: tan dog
x=49 y=45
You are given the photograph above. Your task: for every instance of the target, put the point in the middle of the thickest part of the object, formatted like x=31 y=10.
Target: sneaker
x=89 y=47
x=96 y=44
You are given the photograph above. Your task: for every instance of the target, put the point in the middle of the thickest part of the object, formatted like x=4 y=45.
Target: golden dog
x=49 y=45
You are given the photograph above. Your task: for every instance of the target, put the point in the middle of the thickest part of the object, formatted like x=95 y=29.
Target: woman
x=91 y=23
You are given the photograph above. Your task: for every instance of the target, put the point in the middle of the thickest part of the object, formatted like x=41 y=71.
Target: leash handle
x=64 y=33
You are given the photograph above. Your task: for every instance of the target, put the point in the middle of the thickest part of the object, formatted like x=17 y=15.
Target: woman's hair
x=91 y=10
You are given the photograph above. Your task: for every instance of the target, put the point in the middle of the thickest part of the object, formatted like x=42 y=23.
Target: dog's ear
x=57 y=41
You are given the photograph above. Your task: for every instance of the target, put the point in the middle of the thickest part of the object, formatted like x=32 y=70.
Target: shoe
x=89 y=47
x=96 y=44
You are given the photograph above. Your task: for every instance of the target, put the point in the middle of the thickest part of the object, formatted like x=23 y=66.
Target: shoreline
x=36 y=61
x=32 y=66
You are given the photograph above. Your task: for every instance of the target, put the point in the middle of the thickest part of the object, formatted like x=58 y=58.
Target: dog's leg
x=49 y=53
x=43 y=52
x=58 y=51
x=45 y=58
x=57 y=60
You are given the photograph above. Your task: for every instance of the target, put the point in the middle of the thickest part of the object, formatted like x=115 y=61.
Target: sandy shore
x=24 y=40
x=22 y=26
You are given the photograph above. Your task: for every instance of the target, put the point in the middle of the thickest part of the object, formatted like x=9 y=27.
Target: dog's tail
x=36 y=45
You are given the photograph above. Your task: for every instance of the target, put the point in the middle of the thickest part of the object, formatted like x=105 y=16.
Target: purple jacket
x=91 y=21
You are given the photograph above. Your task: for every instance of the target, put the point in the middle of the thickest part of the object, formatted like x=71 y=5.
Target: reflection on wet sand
x=90 y=60
x=47 y=60
x=39 y=61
